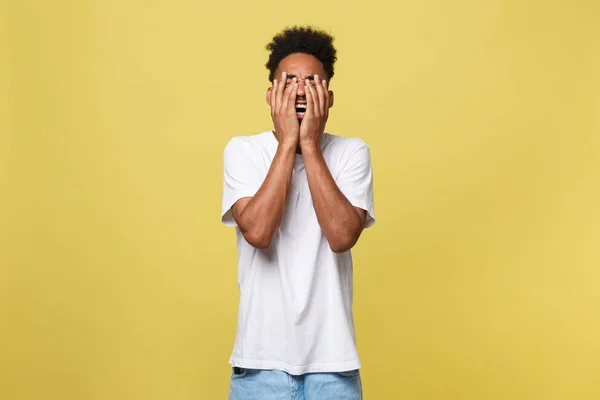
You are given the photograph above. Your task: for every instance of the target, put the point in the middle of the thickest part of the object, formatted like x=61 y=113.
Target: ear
x=330 y=98
x=269 y=92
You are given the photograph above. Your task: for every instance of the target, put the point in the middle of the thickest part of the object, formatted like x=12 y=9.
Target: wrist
x=287 y=146
x=310 y=138
x=310 y=146
x=286 y=141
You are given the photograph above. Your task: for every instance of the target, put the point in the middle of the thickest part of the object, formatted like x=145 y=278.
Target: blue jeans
x=256 y=384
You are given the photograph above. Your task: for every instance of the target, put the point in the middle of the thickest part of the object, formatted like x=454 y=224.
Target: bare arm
x=342 y=223
x=259 y=216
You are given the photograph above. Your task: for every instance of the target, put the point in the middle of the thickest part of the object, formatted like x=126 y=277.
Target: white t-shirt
x=295 y=311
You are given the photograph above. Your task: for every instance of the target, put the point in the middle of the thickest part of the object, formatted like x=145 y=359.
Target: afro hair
x=306 y=40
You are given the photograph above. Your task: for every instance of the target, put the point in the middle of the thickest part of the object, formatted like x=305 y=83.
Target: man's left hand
x=317 y=112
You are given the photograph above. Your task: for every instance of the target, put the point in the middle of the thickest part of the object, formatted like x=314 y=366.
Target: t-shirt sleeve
x=355 y=181
x=242 y=176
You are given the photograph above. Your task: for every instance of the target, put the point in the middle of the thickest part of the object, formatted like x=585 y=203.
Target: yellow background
x=480 y=280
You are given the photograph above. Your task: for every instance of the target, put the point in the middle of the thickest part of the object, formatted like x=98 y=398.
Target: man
x=299 y=198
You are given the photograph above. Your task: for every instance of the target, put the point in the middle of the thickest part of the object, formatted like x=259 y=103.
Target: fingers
x=280 y=90
x=287 y=96
x=310 y=111
x=326 y=101
x=291 y=107
x=312 y=99
x=274 y=97
x=320 y=94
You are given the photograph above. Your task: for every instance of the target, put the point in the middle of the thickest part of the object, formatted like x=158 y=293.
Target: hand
x=283 y=111
x=317 y=112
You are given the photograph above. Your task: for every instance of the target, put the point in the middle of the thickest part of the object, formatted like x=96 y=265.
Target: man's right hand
x=283 y=110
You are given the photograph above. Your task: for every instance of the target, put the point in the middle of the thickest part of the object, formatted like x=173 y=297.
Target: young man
x=299 y=198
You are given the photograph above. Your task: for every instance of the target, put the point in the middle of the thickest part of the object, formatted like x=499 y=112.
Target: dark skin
x=302 y=82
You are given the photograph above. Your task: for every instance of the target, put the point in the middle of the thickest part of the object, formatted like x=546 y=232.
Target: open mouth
x=300 y=110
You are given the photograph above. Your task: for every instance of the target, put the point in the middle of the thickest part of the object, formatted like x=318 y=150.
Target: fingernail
x=282 y=74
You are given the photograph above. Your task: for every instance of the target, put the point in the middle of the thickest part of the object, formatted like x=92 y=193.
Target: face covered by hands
x=302 y=92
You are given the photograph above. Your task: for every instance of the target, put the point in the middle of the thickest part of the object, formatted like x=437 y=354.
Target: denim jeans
x=255 y=384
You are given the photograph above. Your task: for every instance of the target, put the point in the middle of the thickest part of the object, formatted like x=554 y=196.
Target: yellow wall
x=480 y=280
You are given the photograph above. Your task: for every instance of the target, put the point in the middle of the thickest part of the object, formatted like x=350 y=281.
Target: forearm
x=261 y=216
x=337 y=217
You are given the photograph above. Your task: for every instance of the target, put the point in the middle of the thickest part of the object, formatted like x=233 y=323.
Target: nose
x=301 y=88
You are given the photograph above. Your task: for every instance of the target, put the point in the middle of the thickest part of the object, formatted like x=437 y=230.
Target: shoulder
x=246 y=144
x=343 y=148
x=336 y=142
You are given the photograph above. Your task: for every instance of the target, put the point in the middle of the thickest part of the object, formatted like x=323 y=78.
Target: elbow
x=342 y=244
x=344 y=240
x=259 y=240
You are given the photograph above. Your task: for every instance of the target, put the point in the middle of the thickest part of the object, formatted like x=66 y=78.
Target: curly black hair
x=306 y=40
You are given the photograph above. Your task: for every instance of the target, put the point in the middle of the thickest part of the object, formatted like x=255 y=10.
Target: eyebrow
x=309 y=77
